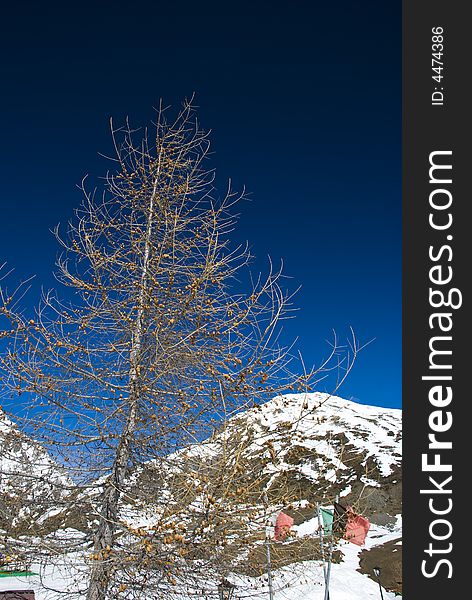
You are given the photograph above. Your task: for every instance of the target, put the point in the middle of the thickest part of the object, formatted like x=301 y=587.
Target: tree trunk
x=104 y=538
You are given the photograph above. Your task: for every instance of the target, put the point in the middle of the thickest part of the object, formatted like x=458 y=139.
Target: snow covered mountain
x=290 y=454
x=321 y=448
x=296 y=451
x=30 y=481
x=329 y=446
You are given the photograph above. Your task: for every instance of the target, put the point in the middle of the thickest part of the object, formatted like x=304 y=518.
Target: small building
x=17 y=585
x=18 y=595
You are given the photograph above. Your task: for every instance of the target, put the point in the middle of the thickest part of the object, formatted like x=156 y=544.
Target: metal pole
x=269 y=569
x=320 y=529
x=267 y=542
x=330 y=556
x=377 y=575
x=325 y=572
x=328 y=573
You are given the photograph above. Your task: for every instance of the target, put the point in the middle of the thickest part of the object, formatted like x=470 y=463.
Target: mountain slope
x=296 y=451
x=222 y=496
x=330 y=446
x=30 y=481
x=317 y=448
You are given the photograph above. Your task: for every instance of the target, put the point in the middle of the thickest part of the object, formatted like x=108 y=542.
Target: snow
x=313 y=421
x=28 y=463
x=307 y=527
x=305 y=581
x=314 y=418
x=50 y=582
x=302 y=581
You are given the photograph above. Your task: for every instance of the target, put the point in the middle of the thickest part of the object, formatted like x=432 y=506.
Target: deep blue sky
x=304 y=103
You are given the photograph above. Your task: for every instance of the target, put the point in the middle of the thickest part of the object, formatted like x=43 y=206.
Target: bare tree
x=156 y=346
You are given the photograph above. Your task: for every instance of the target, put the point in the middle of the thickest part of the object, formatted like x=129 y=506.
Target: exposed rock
x=389 y=558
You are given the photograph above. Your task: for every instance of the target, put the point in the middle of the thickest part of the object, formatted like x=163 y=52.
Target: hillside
x=31 y=483
x=295 y=451
x=342 y=447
